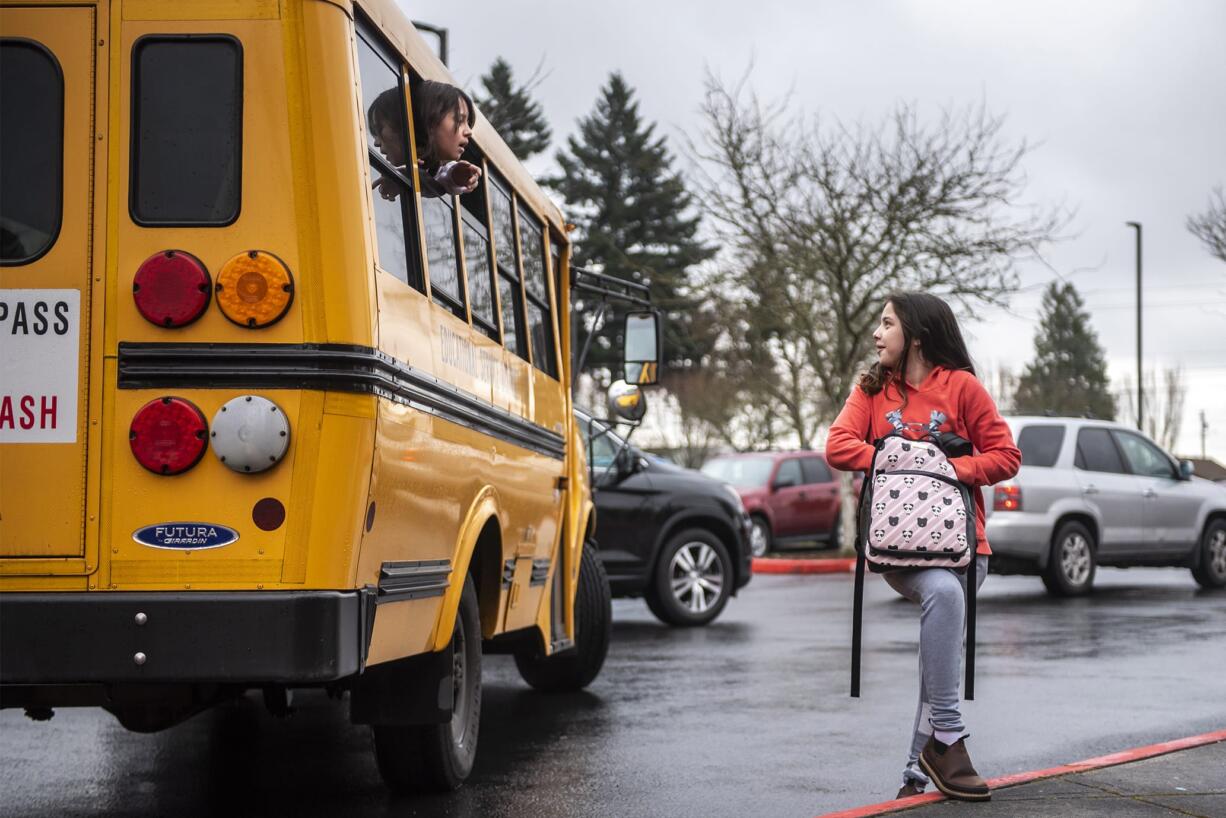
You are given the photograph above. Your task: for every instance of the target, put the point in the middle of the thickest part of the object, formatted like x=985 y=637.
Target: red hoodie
x=968 y=412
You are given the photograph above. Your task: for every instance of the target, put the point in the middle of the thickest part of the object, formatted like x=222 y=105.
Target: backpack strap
x=970 y=626
x=857 y=617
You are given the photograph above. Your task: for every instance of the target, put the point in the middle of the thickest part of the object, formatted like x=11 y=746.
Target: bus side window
x=388 y=153
x=540 y=314
x=476 y=247
x=509 y=293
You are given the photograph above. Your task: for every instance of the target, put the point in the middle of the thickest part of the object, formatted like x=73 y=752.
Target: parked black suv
x=671 y=535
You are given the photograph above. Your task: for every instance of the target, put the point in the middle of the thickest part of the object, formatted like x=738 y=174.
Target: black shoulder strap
x=856 y=622
x=970 y=626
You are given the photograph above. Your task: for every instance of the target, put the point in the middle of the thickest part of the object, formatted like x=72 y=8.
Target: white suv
x=1094 y=492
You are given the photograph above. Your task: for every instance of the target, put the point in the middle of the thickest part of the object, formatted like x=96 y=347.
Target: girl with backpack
x=923 y=386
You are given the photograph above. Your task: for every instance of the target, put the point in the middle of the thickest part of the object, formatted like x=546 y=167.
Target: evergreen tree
x=630 y=208
x=513 y=113
x=1068 y=375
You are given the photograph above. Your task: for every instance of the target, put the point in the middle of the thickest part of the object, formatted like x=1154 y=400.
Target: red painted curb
x=1124 y=757
x=766 y=565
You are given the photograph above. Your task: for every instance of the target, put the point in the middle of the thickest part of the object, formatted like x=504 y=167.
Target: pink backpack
x=915 y=513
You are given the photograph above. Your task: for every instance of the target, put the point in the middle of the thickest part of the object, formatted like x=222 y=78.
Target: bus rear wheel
x=576 y=668
x=439 y=757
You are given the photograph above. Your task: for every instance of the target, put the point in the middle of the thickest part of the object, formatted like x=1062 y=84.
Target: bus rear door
x=48 y=283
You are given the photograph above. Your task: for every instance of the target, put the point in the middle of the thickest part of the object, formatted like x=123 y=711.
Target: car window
x=1144 y=457
x=1040 y=445
x=789 y=472
x=1097 y=452
x=600 y=443
x=815 y=470
x=742 y=472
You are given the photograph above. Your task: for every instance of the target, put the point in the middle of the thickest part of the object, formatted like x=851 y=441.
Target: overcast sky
x=1127 y=101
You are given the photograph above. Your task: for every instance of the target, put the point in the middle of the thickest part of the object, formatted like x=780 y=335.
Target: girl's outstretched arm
x=998 y=457
x=847 y=448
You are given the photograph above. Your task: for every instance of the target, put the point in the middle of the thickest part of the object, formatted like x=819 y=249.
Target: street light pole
x=1140 y=390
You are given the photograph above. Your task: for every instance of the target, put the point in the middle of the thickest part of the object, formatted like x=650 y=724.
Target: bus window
x=540 y=316
x=31 y=150
x=480 y=282
x=187 y=131
x=439 y=221
x=508 y=271
x=388 y=149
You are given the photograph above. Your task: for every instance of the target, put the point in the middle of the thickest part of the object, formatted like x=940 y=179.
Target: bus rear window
x=31 y=150
x=187 y=131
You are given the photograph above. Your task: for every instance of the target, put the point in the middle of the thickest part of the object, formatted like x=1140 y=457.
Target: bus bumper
x=295 y=637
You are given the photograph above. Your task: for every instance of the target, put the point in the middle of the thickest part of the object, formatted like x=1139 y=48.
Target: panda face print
x=908 y=507
x=908 y=481
x=936 y=511
x=893 y=494
x=892 y=459
x=943 y=468
x=906 y=535
x=961 y=514
x=935 y=536
x=879 y=534
x=881 y=480
x=961 y=539
x=919 y=461
x=878 y=507
x=936 y=484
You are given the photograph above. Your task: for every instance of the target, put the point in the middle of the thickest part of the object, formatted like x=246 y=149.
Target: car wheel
x=1070 y=569
x=835 y=533
x=759 y=536
x=576 y=668
x=1210 y=568
x=438 y=757
x=692 y=581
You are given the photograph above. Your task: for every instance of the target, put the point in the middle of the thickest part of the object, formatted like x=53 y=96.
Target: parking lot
x=747 y=716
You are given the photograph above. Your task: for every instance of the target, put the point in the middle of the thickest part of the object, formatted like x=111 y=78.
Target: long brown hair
x=432 y=101
x=927 y=318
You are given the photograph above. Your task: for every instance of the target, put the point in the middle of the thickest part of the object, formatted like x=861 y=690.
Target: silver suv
x=1093 y=492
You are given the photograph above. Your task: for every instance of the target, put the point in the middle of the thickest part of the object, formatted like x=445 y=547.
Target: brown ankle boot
x=909 y=789
x=949 y=766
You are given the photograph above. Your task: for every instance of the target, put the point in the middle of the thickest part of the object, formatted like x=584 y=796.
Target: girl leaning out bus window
x=924 y=376
x=443 y=116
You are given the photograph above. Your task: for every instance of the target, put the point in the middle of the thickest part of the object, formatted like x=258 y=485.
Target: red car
x=790 y=496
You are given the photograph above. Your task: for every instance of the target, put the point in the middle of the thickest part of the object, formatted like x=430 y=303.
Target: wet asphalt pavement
x=749 y=716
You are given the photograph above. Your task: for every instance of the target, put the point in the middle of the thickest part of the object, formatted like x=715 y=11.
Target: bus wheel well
x=486 y=570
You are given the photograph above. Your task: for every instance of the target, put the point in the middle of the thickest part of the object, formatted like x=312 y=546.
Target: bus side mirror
x=627 y=401
x=641 y=348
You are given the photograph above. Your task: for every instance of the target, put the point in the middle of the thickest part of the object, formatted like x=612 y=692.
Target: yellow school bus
x=272 y=416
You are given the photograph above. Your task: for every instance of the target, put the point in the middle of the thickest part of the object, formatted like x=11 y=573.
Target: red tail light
x=168 y=435
x=172 y=288
x=1007 y=498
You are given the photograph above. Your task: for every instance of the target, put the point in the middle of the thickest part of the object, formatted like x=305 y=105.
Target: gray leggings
x=941 y=595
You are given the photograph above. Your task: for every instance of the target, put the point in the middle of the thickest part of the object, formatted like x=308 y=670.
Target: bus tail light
x=172 y=288
x=250 y=434
x=254 y=289
x=168 y=435
x=1007 y=498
